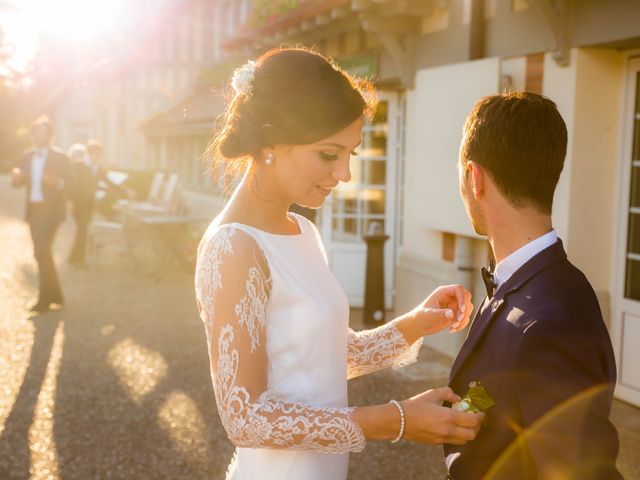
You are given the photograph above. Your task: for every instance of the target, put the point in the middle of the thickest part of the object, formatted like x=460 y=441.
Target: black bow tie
x=487 y=278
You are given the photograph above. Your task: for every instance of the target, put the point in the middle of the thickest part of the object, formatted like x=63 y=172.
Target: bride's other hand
x=453 y=297
x=427 y=421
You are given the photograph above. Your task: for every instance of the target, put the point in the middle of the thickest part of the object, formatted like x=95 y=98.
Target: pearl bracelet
x=402 y=423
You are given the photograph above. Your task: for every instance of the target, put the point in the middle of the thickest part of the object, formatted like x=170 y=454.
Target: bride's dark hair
x=298 y=97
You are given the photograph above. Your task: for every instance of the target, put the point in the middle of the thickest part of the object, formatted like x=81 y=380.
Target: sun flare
x=74 y=21
x=77 y=20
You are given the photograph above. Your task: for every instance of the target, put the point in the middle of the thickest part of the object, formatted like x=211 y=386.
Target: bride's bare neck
x=255 y=206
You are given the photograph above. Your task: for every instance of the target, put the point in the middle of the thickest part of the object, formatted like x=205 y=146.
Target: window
x=632 y=276
x=362 y=202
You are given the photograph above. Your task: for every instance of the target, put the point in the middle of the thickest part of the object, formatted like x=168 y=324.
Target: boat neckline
x=293 y=215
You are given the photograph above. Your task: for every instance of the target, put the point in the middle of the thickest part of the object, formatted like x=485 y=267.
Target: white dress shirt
x=517 y=259
x=93 y=166
x=38 y=161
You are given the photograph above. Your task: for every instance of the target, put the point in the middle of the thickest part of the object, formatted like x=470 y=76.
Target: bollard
x=374 y=311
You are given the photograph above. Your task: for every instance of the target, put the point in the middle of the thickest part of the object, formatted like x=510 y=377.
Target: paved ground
x=116 y=385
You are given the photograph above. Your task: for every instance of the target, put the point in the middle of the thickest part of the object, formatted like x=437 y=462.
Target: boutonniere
x=475 y=400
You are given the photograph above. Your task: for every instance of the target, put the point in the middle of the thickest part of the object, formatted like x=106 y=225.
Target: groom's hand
x=427 y=421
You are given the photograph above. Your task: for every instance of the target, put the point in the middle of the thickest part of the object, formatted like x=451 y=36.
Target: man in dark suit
x=538 y=343
x=45 y=171
x=88 y=172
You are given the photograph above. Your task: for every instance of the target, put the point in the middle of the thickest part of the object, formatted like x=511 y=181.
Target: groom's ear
x=478 y=177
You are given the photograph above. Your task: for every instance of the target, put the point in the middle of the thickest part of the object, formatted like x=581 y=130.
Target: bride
x=281 y=350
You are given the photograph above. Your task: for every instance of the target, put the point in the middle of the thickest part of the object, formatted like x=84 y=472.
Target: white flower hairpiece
x=243 y=77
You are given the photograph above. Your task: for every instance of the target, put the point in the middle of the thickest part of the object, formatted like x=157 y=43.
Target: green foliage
x=475 y=400
x=25 y=94
x=267 y=11
x=479 y=397
x=13 y=108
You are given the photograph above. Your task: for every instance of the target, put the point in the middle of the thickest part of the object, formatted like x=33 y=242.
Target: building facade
x=431 y=60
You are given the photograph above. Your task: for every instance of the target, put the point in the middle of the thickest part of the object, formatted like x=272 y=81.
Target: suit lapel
x=483 y=317
x=50 y=162
x=489 y=310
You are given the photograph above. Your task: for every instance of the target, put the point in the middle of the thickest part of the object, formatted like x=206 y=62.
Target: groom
x=537 y=343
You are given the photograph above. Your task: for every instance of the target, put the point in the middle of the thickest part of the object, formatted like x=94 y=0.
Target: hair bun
x=232 y=146
x=242 y=138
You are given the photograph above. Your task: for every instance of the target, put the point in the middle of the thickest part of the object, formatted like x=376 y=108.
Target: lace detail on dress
x=216 y=247
x=372 y=350
x=232 y=292
x=274 y=423
x=328 y=430
x=251 y=310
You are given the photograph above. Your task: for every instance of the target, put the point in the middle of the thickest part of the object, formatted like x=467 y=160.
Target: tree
x=13 y=102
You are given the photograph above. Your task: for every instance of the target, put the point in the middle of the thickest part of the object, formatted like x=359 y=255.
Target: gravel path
x=116 y=385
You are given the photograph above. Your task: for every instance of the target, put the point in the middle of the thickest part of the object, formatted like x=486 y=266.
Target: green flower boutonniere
x=475 y=400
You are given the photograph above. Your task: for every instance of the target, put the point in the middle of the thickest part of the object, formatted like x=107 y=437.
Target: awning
x=193 y=115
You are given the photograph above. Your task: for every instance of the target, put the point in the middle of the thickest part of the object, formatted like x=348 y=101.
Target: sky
x=75 y=21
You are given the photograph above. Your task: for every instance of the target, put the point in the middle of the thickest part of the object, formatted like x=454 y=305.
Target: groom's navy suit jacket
x=542 y=351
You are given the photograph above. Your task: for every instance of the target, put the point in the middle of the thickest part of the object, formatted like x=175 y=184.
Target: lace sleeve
x=232 y=290
x=372 y=350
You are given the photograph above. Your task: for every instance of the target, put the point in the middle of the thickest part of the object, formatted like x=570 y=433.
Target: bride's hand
x=453 y=297
x=427 y=421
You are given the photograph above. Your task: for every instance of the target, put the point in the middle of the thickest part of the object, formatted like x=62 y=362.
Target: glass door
x=626 y=321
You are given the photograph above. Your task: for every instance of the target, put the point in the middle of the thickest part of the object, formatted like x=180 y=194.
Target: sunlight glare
x=180 y=418
x=138 y=368
x=74 y=21
x=42 y=440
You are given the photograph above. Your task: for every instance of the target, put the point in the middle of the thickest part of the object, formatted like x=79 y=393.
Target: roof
x=193 y=115
x=322 y=16
x=304 y=12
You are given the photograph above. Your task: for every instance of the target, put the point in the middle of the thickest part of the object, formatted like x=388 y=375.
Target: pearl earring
x=269 y=159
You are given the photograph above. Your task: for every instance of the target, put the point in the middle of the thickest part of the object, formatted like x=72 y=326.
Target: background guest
x=87 y=167
x=46 y=173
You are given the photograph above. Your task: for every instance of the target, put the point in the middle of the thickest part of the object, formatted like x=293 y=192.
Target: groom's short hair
x=520 y=139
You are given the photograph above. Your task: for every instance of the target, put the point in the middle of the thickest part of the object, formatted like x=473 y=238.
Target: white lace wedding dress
x=281 y=352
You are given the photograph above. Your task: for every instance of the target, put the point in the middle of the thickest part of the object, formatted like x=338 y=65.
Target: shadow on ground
x=116 y=385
